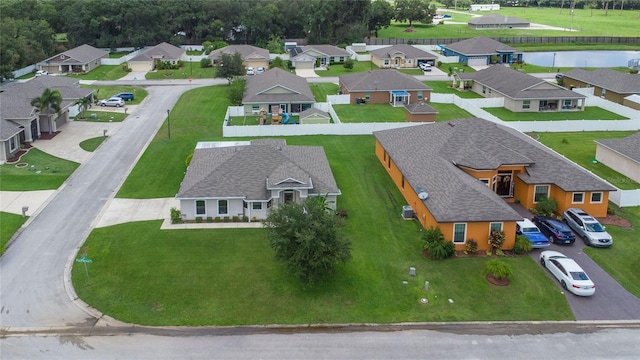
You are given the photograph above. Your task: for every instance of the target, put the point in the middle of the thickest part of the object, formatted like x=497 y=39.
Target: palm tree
x=83 y=104
x=50 y=99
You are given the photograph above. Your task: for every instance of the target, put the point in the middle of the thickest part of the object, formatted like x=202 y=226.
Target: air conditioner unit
x=407 y=212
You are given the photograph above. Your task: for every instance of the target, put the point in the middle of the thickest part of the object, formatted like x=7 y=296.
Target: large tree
x=414 y=11
x=307 y=238
x=380 y=16
x=49 y=100
x=229 y=66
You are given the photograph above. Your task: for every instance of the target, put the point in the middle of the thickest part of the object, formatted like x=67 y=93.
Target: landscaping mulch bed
x=48 y=136
x=615 y=220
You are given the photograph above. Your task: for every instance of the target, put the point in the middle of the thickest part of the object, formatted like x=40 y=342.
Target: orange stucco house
x=461 y=176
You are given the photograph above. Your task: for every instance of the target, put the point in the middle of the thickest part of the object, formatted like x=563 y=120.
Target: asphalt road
x=610 y=302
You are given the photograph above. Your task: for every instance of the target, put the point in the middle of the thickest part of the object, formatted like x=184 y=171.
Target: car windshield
x=530 y=229
x=594 y=227
x=579 y=275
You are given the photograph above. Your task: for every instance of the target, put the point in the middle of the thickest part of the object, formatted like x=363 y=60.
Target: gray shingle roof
x=314 y=111
x=246 y=51
x=9 y=129
x=479 y=46
x=429 y=157
x=409 y=52
x=497 y=19
x=381 y=80
x=420 y=108
x=628 y=146
x=82 y=54
x=277 y=85
x=329 y=50
x=616 y=81
x=518 y=85
x=246 y=171
x=163 y=50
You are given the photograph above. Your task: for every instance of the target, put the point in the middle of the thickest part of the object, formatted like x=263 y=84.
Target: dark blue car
x=557 y=231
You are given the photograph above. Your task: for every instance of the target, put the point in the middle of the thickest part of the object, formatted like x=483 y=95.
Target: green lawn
x=448 y=112
x=339 y=70
x=103 y=116
x=10 y=224
x=589 y=113
x=622 y=259
x=145 y=275
x=50 y=172
x=321 y=90
x=588 y=23
x=444 y=87
x=118 y=55
x=255 y=120
x=106 y=91
x=581 y=149
x=358 y=113
x=102 y=72
x=189 y=70
x=92 y=144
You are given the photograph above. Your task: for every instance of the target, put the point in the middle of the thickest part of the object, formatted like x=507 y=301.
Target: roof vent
x=422 y=195
x=451 y=124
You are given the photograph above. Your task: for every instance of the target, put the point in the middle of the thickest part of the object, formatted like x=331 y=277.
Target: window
x=386 y=62
x=484 y=89
x=201 y=208
x=596 y=198
x=12 y=143
x=420 y=95
x=389 y=162
x=568 y=102
x=604 y=92
x=402 y=184
x=384 y=156
x=526 y=104
x=223 y=207
x=367 y=96
x=541 y=191
x=495 y=226
x=256 y=205
x=268 y=204
x=578 y=198
x=485 y=181
x=459 y=233
x=255 y=107
x=341 y=58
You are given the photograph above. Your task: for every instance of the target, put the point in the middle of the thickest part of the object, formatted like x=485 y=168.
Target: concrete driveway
x=306 y=73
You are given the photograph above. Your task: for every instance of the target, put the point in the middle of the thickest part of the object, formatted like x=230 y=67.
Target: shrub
x=216 y=219
x=205 y=62
x=245 y=219
x=348 y=64
x=225 y=219
x=471 y=247
x=498 y=269
x=546 y=206
x=198 y=219
x=235 y=219
x=496 y=239
x=435 y=244
x=523 y=245
x=176 y=216
x=209 y=219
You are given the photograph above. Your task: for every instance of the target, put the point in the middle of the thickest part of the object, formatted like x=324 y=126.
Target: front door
x=288 y=196
x=503 y=183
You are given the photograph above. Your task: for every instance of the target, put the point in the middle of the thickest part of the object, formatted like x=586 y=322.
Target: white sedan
x=568 y=272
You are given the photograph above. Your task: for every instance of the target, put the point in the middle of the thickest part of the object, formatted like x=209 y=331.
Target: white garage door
x=480 y=61
x=140 y=65
x=304 y=65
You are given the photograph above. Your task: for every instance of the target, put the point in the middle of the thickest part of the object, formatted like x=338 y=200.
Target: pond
x=583 y=59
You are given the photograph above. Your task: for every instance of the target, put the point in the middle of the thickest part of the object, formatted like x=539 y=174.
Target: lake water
x=581 y=58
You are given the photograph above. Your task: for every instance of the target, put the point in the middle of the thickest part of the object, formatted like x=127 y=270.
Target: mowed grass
x=589 y=113
x=102 y=72
x=102 y=116
x=191 y=70
x=321 y=90
x=444 y=87
x=369 y=113
x=145 y=275
x=585 y=21
x=339 y=69
x=10 y=224
x=448 y=112
x=50 y=172
x=92 y=144
x=106 y=91
x=581 y=149
x=622 y=259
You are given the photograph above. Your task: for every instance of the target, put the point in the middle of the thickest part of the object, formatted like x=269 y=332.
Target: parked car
x=126 y=96
x=529 y=230
x=568 y=272
x=585 y=225
x=260 y=70
x=250 y=71
x=559 y=76
x=41 y=73
x=425 y=66
x=112 y=101
x=555 y=230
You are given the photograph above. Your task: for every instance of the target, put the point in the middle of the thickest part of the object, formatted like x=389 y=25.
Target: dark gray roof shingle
x=409 y=52
x=277 y=85
x=381 y=80
x=248 y=52
x=429 y=156
x=616 y=81
x=628 y=146
x=246 y=171
x=82 y=54
x=479 y=46
x=163 y=50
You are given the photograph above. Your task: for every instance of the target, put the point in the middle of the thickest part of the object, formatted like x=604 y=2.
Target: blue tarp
x=399 y=92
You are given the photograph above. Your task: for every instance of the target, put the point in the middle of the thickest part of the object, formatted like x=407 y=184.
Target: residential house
x=464 y=176
x=314 y=116
x=497 y=21
x=481 y=51
x=607 y=83
x=81 y=59
x=401 y=56
x=305 y=57
x=521 y=92
x=383 y=86
x=252 y=56
x=622 y=155
x=249 y=178
x=163 y=52
x=277 y=88
x=420 y=112
x=21 y=123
